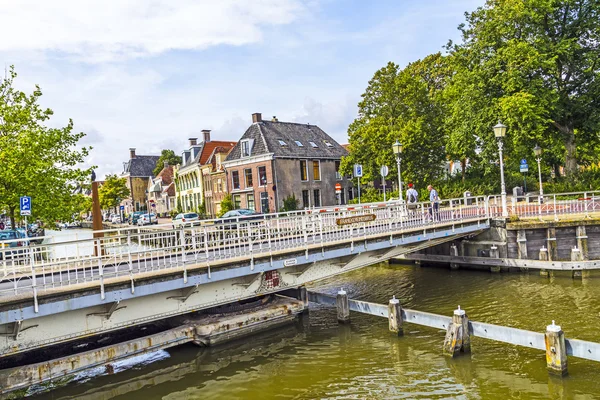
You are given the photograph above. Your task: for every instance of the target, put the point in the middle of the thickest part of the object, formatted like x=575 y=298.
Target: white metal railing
x=556 y=205
x=131 y=251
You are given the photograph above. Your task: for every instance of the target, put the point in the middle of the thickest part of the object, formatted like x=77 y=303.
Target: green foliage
x=166 y=155
x=290 y=203
x=201 y=210
x=226 y=204
x=368 y=195
x=112 y=191
x=36 y=160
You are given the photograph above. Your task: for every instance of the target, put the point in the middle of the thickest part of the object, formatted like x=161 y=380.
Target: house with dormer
x=138 y=171
x=274 y=160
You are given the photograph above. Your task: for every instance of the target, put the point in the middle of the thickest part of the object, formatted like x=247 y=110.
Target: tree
x=400 y=105
x=166 y=155
x=36 y=160
x=226 y=205
x=112 y=191
x=534 y=64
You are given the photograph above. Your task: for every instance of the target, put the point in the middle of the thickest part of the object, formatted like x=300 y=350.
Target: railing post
x=129 y=258
x=585 y=203
x=343 y=308
x=395 y=316
x=458 y=338
x=555 y=216
x=100 y=268
x=556 y=351
x=33 y=282
x=182 y=241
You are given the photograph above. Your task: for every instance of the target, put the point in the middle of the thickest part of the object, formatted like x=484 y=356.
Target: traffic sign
x=384 y=170
x=122 y=208
x=25 y=205
x=524 y=168
x=523 y=161
x=358 y=171
x=338 y=188
x=153 y=204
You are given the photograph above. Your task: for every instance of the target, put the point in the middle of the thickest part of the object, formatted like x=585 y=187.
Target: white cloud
x=104 y=30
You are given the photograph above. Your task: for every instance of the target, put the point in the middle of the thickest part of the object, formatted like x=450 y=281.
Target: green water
x=317 y=358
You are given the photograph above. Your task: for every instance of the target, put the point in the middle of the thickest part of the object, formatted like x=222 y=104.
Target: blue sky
x=150 y=74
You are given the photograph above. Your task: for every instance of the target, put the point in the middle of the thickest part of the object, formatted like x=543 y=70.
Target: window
x=264 y=202
x=248 y=177
x=235 y=179
x=250 y=201
x=237 y=201
x=303 y=170
x=317 y=170
x=328 y=144
x=246 y=148
x=317 y=198
x=281 y=142
x=305 y=199
x=338 y=176
x=313 y=144
x=299 y=143
x=262 y=176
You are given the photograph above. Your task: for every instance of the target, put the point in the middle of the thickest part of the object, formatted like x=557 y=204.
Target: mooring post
x=544 y=257
x=303 y=297
x=556 y=351
x=576 y=256
x=395 y=316
x=458 y=338
x=343 y=308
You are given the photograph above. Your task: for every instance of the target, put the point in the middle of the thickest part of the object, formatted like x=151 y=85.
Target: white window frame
x=306 y=170
x=328 y=144
x=313 y=170
x=246 y=146
x=314 y=145
x=298 y=143
x=281 y=142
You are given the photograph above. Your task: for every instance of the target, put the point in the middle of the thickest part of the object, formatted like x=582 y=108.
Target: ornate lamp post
x=397 y=147
x=537 y=150
x=500 y=132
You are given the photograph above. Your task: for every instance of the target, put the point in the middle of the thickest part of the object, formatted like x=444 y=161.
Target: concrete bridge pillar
x=552 y=246
x=343 y=308
x=556 y=351
x=395 y=316
x=457 y=338
x=582 y=242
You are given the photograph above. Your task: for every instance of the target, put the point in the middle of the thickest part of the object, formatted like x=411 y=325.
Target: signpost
x=121 y=214
x=338 y=192
x=358 y=173
x=524 y=168
x=25 y=207
x=384 y=172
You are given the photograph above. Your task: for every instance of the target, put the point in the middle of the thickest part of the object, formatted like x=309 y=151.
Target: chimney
x=274 y=119
x=206 y=135
x=132 y=152
x=256 y=117
x=193 y=141
x=166 y=164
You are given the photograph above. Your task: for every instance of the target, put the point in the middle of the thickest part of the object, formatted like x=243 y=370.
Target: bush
x=290 y=203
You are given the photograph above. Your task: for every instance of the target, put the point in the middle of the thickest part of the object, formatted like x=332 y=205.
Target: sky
x=150 y=74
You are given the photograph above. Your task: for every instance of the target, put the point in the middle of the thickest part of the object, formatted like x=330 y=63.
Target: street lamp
x=397 y=147
x=500 y=132
x=537 y=150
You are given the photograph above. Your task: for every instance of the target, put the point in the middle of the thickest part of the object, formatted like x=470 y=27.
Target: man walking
x=412 y=196
x=434 y=209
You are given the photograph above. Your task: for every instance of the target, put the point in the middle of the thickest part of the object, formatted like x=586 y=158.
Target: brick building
x=274 y=160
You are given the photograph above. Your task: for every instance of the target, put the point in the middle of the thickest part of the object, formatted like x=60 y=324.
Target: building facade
x=161 y=191
x=215 y=181
x=188 y=175
x=138 y=172
x=275 y=160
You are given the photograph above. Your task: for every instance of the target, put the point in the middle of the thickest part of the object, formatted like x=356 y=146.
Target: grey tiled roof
x=141 y=166
x=267 y=134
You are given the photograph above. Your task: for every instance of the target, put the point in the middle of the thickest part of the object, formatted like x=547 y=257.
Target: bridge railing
x=134 y=251
x=559 y=205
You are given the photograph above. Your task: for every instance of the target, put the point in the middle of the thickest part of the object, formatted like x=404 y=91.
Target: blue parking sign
x=25 y=205
x=122 y=208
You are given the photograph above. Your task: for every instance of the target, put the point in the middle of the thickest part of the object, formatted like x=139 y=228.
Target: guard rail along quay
x=459 y=330
x=55 y=292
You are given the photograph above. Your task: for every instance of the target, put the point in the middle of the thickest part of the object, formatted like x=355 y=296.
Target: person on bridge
x=412 y=197
x=434 y=198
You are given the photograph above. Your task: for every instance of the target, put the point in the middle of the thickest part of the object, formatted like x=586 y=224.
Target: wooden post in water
x=556 y=351
x=495 y=253
x=395 y=316
x=343 y=308
x=458 y=338
x=303 y=297
x=576 y=256
x=544 y=257
x=552 y=246
x=582 y=242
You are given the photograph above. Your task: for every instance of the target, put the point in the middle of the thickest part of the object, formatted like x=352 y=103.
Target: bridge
x=60 y=291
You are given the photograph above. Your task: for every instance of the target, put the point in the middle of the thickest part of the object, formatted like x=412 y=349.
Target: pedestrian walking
x=412 y=196
x=434 y=198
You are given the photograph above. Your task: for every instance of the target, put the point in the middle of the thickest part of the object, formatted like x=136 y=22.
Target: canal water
x=319 y=359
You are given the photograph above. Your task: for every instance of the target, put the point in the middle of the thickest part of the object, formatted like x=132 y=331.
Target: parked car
x=186 y=219
x=116 y=219
x=230 y=218
x=147 y=219
x=8 y=241
x=133 y=218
